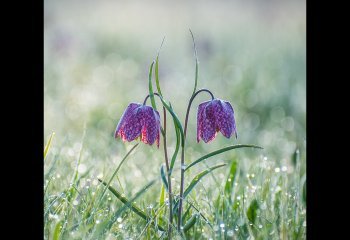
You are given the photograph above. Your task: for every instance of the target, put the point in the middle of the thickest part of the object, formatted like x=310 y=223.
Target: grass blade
x=156 y=69
x=124 y=200
x=129 y=203
x=47 y=147
x=190 y=223
x=252 y=211
x=75 y=176
x=162 y=173
x=177 y=147
x=199 y=176
x=222 y=150
x=230 y=180
x=116 y=171
x=150 y=88
x=195 y=180
x=195 y=54
x=57 y=231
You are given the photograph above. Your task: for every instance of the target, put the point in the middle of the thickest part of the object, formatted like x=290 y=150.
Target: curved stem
x=144 y=102
x=183 y=154
x=169 y=178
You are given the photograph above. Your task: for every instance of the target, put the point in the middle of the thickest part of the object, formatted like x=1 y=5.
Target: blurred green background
x=97 y=56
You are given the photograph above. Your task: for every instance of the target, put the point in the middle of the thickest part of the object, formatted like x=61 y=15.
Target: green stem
x=183 y=156
x=169 y=178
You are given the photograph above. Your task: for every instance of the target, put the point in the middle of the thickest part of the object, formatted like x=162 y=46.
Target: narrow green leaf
x=129 y=203
x=231 y=179
x=76 y=173
x=177 y=146
x=195 y=54
x=124 y=200
x=198 y=177
x=162 y=196
x=150 y=88
x=156 y=69
x=304 y=192
x=176 y=120
x=57 y=231
x=225 y=149
x=162 y=173
x=194 y=182
x=116 y=171
x=296 y=157
x=161 y=203
x=252 y=211
x=47 y=147
x=186 y=213
x=190 y=223
x=100 y=229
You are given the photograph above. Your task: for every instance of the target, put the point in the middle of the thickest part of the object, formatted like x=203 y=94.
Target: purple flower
x=139 y=121
x=213 y=116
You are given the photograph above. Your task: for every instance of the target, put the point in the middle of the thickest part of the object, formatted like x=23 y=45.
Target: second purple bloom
x=213 y=116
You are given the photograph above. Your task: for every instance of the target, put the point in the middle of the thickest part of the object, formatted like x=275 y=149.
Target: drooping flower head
x=213 y=116
x=139 y=121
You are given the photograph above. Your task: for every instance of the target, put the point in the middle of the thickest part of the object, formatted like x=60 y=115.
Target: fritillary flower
x=139 y=121
x=213 y=116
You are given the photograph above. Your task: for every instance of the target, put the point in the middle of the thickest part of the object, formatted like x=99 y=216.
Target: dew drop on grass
x=97 y=221
x=230 y=233
x=100 y=175
x=82 y=168
x=222 y=225
x=277 y=170
x=265 y=158
x=120 y=225
x=260 y=226
x=236 y=228
x=109 y=199
x=284 y=169
x=75 y=202
x=119 y=219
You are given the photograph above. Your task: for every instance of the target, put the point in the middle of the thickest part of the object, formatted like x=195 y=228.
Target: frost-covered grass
x=97 y=58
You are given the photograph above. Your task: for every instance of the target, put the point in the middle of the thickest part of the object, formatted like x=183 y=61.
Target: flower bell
x=139 y=121
x=213 y=116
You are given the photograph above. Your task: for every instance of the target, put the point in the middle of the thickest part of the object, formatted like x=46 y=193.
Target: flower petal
x=129 y=111
x=132 y=128
x=200 y=119
x=150 y=120
x=208 y=132
x=225 y=121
